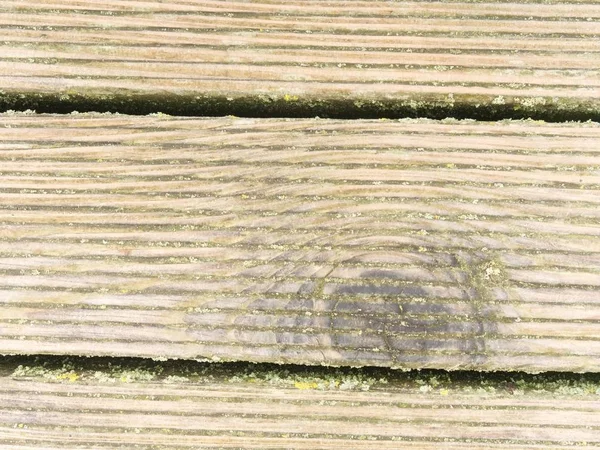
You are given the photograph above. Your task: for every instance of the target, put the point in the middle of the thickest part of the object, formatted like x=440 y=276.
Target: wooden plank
x=139 y=405
x=479 y=59
x=408 y=244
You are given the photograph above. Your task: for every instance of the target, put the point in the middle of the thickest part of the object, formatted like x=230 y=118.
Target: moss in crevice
x=139 y=370
x=478 y=107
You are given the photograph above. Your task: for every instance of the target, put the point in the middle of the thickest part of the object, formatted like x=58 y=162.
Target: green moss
x=438 y=382
x=460 y=106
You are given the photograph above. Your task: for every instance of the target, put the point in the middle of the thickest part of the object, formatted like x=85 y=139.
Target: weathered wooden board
x=410 y=244
x=341 y=59
x=97 y=412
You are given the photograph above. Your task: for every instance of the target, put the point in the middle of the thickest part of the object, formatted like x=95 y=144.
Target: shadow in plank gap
x=404 y=244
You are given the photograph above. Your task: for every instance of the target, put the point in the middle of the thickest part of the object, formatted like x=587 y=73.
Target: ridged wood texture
x=50 y=415
x=408 y=244
x=356 y=58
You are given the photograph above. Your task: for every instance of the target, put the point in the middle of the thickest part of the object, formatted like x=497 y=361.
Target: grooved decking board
x=342 y=58
x=43 y=414
x=414 y=243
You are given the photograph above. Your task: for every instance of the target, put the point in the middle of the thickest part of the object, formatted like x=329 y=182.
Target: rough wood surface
x=342 y=58
x=394 y=243
x=152 y=415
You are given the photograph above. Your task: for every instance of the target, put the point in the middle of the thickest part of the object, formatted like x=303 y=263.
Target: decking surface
x=273 y=58
x=410 y=244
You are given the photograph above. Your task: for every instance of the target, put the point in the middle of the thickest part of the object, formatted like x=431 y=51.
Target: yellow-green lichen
x=290 y=98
